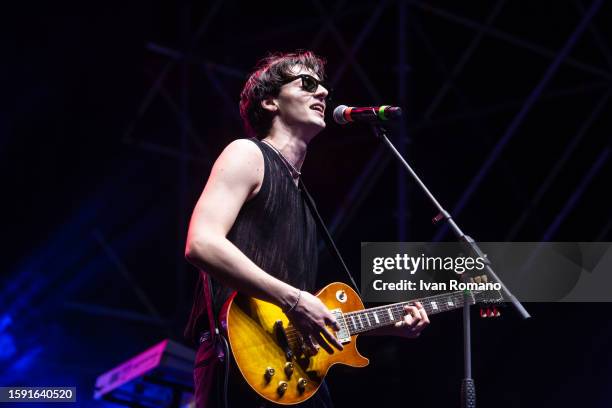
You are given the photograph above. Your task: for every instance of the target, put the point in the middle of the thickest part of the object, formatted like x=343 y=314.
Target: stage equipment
x=161 y=376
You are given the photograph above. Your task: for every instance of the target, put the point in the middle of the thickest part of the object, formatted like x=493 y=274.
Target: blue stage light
x=7 y=346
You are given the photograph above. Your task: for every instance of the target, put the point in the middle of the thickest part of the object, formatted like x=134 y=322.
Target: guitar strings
x=456 y=299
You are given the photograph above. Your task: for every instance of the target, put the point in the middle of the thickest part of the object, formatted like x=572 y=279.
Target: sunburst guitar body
x=271 y=355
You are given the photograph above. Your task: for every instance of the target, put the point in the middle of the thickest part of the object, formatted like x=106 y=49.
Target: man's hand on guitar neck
x=415 y=320
x=410 y=327
x=311 y=317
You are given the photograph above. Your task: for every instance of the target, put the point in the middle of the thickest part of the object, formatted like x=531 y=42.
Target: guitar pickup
x=282 y=340
x=343 y=335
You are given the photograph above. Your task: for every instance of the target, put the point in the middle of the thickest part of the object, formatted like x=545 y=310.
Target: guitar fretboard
x=373 y=318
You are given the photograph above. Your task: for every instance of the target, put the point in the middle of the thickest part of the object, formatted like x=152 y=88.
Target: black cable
x=227 y=368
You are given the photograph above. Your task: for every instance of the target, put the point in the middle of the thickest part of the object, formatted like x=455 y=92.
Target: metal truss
x=519 y=118
x=181 y=59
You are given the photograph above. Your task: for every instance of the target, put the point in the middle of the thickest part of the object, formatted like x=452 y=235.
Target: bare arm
x=235 y=178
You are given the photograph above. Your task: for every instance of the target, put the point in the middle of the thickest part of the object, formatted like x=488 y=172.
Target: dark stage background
x=113 y=112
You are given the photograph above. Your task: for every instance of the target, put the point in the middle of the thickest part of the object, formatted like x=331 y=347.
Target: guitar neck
x=369 y=319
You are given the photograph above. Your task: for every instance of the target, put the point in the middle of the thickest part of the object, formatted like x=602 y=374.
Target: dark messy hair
x=266 y=81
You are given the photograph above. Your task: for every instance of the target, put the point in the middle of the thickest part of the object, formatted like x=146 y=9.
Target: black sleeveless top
x=276 y=230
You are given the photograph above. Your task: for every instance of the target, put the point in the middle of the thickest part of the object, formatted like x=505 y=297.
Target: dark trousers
x=209 y=377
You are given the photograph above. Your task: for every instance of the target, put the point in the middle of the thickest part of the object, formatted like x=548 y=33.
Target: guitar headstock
x=490 y=301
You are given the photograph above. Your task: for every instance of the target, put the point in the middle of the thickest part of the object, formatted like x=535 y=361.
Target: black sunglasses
x=309 y=83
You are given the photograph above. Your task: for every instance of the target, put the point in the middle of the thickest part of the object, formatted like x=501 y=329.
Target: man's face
x=298 y=107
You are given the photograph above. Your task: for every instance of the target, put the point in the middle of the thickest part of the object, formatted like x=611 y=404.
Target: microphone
x=344 y=114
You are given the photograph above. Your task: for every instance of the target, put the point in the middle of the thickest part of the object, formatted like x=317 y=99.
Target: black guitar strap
x=331 y=246
x=212 y=322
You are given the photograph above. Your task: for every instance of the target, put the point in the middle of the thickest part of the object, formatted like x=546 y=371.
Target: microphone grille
x=339 y=114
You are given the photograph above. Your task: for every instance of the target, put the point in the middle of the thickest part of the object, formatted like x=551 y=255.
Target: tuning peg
x=496 y=312
x=483 y=313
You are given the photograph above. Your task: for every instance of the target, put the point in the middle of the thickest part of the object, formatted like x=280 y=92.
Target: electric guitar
x=273 y=358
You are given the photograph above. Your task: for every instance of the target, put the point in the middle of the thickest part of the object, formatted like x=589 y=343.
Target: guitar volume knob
x=282 y=387
x=269 y=373
x=302 y=382
x=289 y=368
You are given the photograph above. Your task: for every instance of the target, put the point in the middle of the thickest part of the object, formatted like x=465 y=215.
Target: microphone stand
x=468 y=390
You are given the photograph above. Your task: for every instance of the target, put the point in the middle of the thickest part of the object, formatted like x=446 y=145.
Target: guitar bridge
x=282 y=340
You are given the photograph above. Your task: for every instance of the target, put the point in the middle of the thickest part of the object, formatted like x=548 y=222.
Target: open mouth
x=319 y=108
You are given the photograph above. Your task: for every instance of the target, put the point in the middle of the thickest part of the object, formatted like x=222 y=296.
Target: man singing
x=251 y=229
